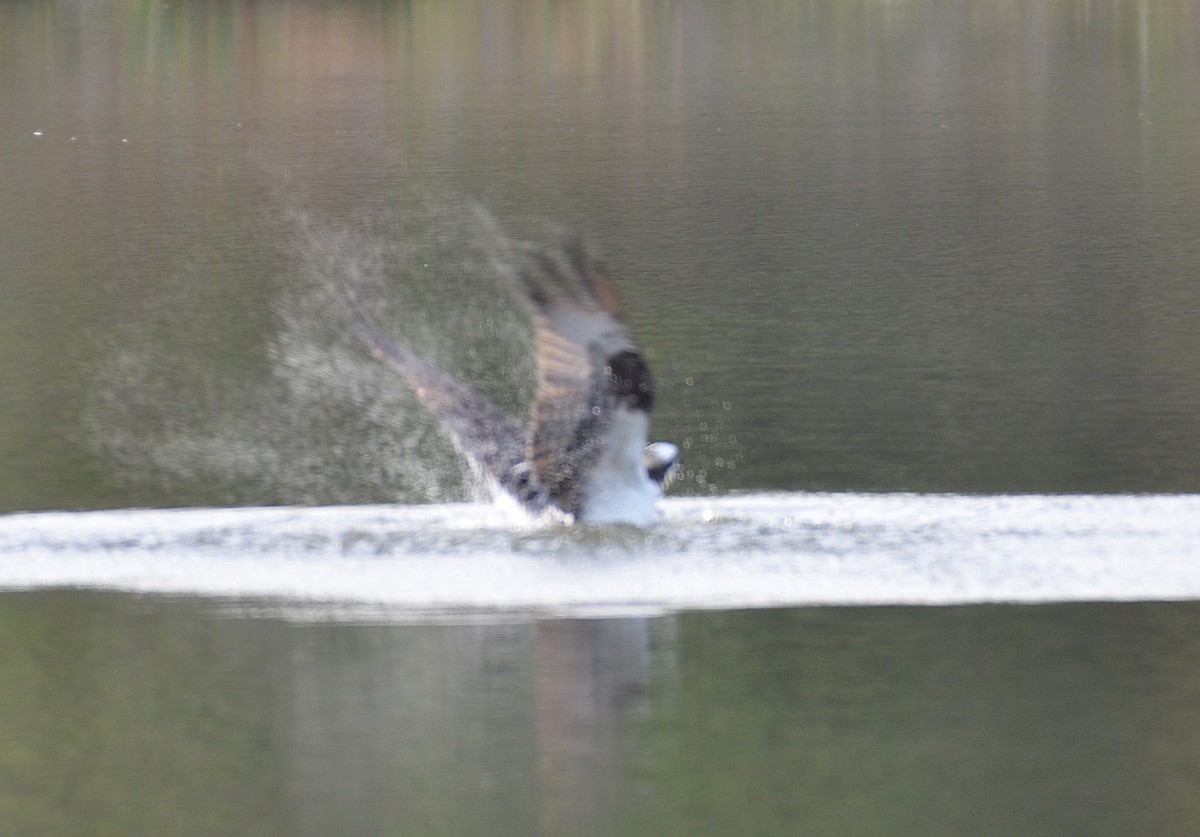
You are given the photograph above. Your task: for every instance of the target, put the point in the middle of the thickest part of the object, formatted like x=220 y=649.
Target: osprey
x=584 y=451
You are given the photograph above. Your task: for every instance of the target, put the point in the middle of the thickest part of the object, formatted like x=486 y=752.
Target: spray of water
x=300 y=412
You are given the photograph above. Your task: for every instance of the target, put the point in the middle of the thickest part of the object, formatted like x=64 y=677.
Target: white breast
x=618 y=489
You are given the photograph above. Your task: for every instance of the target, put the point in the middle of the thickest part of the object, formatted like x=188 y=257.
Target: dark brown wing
x=582 y=349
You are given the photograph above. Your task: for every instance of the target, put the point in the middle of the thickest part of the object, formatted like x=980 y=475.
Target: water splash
x=299 y=412
x=458 y=561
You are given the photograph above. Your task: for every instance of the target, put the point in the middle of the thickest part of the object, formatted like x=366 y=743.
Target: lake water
x=918 y=284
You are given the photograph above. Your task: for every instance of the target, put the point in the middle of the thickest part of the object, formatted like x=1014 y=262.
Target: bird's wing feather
x=575 y=317
x=480 y=429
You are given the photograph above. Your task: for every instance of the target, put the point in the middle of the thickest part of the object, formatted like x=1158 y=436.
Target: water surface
x=917 y=280
x=151 y=715
x=865 y=246
x=769 y=550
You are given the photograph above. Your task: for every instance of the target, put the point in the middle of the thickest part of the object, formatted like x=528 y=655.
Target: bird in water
x=584 y=451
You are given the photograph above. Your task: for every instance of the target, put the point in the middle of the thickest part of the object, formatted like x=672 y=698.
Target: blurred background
x=864 y=245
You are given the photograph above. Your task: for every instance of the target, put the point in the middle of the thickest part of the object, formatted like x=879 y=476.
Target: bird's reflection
x=592 y=683
x=520 y=727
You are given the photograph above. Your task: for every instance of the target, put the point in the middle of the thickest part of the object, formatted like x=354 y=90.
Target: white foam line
x=732 y=552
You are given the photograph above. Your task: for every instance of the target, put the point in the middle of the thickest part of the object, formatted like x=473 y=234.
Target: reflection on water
x=950 y=721
x=125 y=715
x=864 y=245
x=134 y=716
x=420 y=731
x=593 y=681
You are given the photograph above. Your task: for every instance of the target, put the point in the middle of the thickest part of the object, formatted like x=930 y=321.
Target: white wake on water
x=763 y=550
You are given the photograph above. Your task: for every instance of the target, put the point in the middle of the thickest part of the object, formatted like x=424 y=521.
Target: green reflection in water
x=124 y=719
x=129 y=715
x=977 y=720
x=866 y=246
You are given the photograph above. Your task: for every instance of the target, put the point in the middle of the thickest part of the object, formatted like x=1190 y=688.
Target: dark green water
x=885 y=246
x=865 y=246
x=176 y=717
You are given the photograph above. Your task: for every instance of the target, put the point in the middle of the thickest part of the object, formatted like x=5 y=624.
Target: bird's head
x=662 y=463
